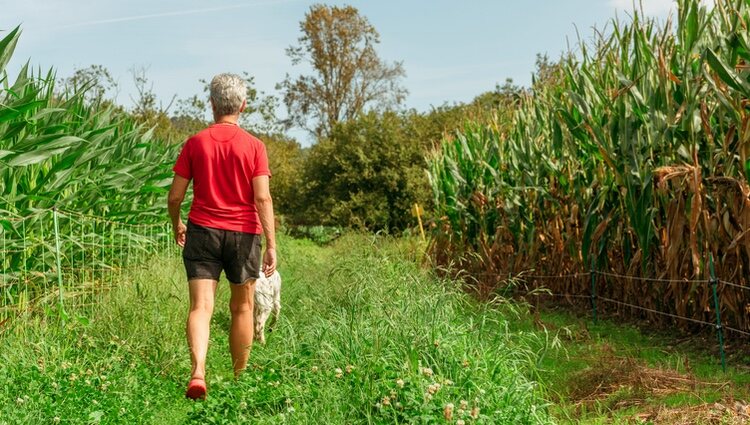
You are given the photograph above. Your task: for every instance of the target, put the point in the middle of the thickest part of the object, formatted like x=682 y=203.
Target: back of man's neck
x=226 y=119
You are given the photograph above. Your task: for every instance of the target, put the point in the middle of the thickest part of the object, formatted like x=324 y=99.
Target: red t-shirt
x=222 y=161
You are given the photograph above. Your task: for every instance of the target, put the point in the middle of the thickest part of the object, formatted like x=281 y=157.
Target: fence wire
x=651 y=279
x=741 y=332
x=578 y=296
x=69 y=258
x=712 y=284
x=558 y=276
x=624 y=304
x=651 y=310
x=734 y=285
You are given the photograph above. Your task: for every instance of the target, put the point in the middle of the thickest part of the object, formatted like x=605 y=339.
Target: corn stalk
x=635 y=155
x=59 y=151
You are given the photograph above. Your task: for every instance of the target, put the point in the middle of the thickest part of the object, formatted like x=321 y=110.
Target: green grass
x=361 y=305
x=362 y=302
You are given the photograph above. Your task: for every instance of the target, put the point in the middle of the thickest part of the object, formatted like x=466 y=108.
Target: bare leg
x=241 y=305
x=198 y=323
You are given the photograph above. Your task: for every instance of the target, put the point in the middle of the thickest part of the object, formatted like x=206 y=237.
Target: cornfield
x=631 y=158
x=59 y=152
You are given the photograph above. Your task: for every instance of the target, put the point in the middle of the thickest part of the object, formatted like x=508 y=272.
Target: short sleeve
x=261 y=162
x=182 y=167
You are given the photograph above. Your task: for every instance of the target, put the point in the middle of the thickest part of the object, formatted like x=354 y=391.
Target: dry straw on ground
x=623 y=382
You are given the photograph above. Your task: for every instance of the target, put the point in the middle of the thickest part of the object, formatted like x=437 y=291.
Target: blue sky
x=452 y=50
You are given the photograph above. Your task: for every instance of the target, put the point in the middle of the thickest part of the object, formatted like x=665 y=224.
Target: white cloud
x=173 y=13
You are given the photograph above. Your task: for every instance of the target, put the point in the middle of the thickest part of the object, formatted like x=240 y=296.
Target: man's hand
x=269 y=262
x=179 y=234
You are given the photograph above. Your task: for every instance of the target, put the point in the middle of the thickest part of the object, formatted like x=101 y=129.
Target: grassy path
x=365 y=336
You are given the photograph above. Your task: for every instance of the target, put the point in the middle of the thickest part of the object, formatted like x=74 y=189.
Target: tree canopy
x=348 y=77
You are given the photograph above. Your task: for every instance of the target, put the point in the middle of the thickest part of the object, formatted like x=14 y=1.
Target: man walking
x=231 y=205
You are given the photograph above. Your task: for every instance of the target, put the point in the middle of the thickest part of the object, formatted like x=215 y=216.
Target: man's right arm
x=174 y=202
x=264 y=204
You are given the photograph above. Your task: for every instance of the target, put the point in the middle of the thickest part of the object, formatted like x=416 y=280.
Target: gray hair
x=228 y=91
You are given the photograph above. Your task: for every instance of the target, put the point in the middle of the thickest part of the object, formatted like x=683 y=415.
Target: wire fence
x=68 y=260
x=713 y=285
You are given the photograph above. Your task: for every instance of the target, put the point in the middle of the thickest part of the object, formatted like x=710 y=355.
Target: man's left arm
x=174 y=204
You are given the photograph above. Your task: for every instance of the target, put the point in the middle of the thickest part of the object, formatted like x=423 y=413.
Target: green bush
x=371 y=170
x=285 y=158
x=366 y=175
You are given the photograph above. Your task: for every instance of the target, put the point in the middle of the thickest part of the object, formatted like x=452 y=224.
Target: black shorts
x=207 y=251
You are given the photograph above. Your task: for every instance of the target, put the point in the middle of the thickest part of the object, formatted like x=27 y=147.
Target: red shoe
x=196 y=389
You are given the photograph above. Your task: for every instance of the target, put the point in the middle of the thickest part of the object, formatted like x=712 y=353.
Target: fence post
x=61 y=306
x=417 y=212
x=719 y=327
x=592 y=272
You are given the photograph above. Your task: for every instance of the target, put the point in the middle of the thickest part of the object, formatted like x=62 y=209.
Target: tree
x=145 y=102
x=348 y=76
x=366 y=175
x=547 y=71
x=95 y=81
x=259 y=116
x=503 y=97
